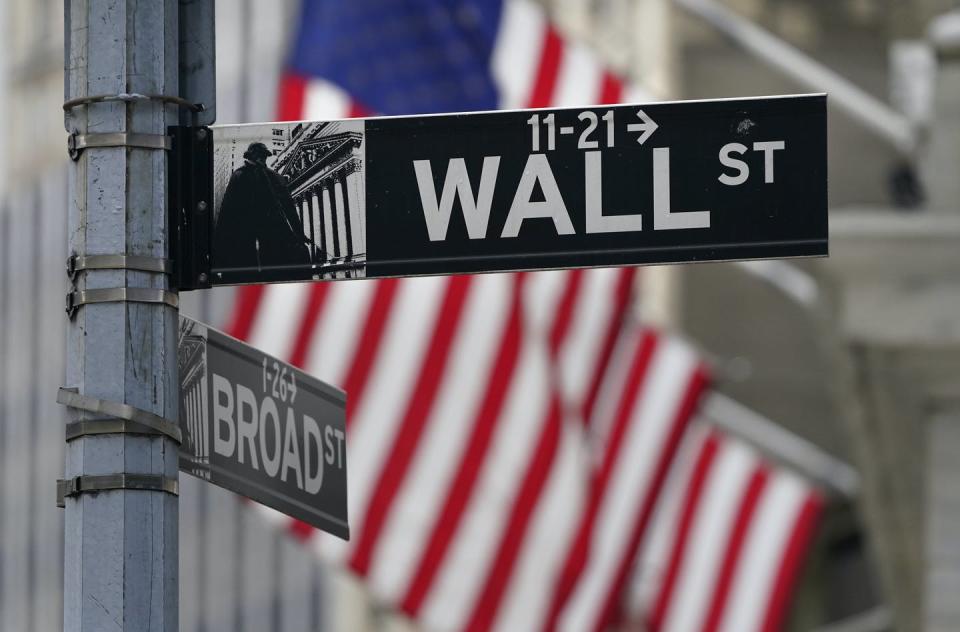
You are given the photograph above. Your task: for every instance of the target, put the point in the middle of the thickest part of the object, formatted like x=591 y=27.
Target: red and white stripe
x=534 y=66
x=652 y=388
x=468 y=461
x=730 y=535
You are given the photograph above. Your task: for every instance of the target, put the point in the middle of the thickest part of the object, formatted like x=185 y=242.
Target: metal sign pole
x=120 y=486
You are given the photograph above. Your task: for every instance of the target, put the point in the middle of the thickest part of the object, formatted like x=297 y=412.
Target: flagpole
x=788 y=449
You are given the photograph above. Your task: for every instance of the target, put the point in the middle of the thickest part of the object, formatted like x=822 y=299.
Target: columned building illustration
x=324 y=167
x=192 y=363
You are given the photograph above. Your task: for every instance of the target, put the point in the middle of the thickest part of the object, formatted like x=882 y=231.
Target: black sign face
x=519 y=190
x=262 y=428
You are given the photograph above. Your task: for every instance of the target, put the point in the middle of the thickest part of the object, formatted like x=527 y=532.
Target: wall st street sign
x=495 y=191
x=262 y=428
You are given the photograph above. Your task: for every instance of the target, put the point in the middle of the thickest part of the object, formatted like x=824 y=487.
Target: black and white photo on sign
x=194 y=418
x=290 y=196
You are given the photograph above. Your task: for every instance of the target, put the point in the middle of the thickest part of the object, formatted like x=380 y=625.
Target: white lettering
x=726 y=160
x=265 y=432
x=537 y=169
x=768 y=147
x=597 y=222
x=223 y=417
x=339 y=435
x=476 y=211
x=663 y=217
x=291 y=450
x=271 y=462
x=311 y=441
x=328 y=435
x=246 y=424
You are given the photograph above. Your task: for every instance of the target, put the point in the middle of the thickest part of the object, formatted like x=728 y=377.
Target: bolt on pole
x=119 y=492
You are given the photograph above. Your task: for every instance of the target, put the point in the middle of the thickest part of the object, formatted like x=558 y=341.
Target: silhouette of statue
x=258 y=226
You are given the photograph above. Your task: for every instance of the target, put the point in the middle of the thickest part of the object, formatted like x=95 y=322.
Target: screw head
x=201 y=133
x=72 y=150
x=202 y=278
x=201 y=206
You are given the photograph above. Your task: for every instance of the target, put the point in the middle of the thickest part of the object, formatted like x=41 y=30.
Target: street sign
x=496 y=191
x=262 y=428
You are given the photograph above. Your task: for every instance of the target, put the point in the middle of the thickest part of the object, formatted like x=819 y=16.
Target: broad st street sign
x=262 y=428
x=496 y=191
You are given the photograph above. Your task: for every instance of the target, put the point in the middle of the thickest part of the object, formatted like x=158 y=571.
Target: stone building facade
x=324 y=167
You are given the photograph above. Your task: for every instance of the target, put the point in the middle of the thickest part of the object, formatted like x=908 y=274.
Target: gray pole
x=121 y=545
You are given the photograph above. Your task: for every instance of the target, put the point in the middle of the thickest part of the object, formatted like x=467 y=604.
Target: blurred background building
x=857 y=355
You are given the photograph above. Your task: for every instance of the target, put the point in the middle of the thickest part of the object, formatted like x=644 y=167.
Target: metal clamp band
x=116 y=412
x=76 y=263
x=87 y=427
x=130 y=98
x=119 y=295
x=78 y=142
x=104 y=482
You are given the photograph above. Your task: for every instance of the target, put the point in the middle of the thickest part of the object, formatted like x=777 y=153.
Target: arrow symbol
x=648 y=127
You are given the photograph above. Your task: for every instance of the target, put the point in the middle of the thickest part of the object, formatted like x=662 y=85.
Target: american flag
x=521 y=450
x=728 y=541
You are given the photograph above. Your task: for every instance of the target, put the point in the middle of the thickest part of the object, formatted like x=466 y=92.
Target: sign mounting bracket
x=190 y=203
